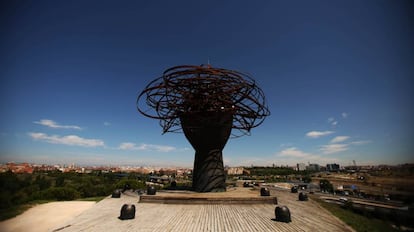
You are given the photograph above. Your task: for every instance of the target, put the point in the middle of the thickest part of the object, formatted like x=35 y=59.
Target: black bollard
x=151 y=190
x=264 y=192
x=294 y=189
x=116 y=193
x=126 y=187
x=282 y=214
x=127 y=212
x=303 y=196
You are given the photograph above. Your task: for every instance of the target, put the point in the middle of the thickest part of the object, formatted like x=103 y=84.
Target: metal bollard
x=303 y=196
x=151 y=190
x=264 y=192
x=282 y=214
x=127 y=212
x=116 y=193
x=173 y=184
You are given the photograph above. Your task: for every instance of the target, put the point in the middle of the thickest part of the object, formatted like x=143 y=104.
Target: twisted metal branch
x=193 y=90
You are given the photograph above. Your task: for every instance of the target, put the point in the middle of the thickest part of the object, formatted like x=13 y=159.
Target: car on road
x=343 y=199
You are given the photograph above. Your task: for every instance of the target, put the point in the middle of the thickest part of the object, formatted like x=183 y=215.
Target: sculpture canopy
x=191 y=90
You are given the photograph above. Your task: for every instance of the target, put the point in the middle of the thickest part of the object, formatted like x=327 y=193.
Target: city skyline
x=337 y=77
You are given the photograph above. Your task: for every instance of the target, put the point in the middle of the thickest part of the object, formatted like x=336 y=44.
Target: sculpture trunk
x=208 y=133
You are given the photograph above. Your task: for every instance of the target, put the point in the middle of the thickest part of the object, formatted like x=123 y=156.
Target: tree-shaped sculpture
x=206 y=104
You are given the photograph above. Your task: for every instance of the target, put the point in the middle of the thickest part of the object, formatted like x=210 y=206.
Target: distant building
x=20 y=168
x=235 y=171
x=313 y=167
x=332 y=167
x=300 y=167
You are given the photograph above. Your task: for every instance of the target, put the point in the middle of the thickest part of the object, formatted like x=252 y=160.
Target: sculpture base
x=232 y=196
x=208 y=172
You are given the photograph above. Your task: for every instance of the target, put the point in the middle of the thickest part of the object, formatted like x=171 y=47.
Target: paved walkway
x=306 y=216
x=45 y=217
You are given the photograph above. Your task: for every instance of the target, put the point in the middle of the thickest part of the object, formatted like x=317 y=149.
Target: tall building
x=301 y=167
x=313 y=167
x=332 y=167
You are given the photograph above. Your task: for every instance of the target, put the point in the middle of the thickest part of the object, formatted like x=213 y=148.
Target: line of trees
x=277 y=174
x=281 y=171
x=17 y=189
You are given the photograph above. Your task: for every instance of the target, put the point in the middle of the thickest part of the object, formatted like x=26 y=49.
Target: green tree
x=60 y=194
x=325 y=185
x=60 y=181
x=133 y=184
x=42 y=182
x=307 y=179
x=9 y=182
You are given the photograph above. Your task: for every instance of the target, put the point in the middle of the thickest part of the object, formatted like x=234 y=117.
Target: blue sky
x=337 y=75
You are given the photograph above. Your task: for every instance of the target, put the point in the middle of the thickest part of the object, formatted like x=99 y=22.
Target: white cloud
x=146 y=147
x=128 y=146
x=285 y=145
x=294 y=152
x=362 y=142
x=107 y=123
x=332 y=121
x=334 y=148
x=293 y=156
x=53 y=124
x=344 y=115
x=317 y=134
x=161 y=148
x=336 y=145
x=339 y=139
x=72 y=140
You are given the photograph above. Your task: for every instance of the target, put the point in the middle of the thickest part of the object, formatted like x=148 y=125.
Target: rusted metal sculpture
x=209 y=105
